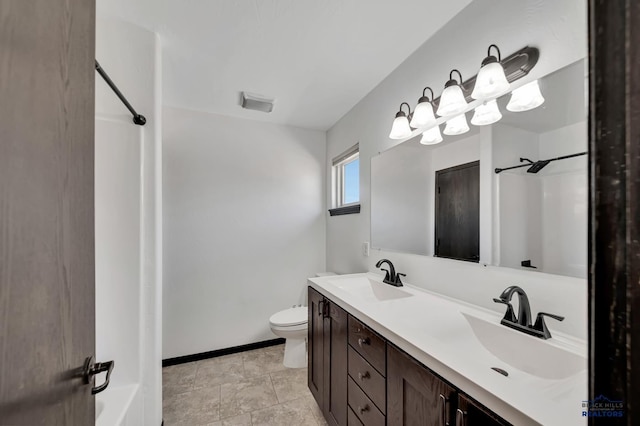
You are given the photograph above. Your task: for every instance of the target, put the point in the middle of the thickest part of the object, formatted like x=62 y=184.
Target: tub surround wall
x=558 y=29
x=244 y=227
x=128 y=218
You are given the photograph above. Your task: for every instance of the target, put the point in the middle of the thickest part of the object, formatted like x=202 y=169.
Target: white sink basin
x=369 y=289
x=530 y=354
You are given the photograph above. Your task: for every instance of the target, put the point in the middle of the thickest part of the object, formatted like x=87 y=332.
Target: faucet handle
x=509 y=315
x=541 y=326
x=398 y=279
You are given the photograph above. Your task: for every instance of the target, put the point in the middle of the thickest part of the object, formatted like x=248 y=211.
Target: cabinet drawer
x=368 y=344
x=352 y=419
x=362 y=406
x=370 y=381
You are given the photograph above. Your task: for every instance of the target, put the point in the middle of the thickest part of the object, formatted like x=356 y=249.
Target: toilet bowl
x=291 y=324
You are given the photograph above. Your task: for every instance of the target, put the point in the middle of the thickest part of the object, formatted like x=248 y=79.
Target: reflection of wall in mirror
x=399 y=182
x=403 y=192
x=543 y=216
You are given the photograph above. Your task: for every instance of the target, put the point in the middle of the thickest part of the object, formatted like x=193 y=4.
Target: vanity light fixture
x=487 y=113
x=456 y=125
x=423 y=114
x=452 y=100
x=400 y=128
x=431 y=136
x=491 y=80
x=526 y=98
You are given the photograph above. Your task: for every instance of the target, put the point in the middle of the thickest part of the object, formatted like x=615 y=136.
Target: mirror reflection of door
x=457 y=230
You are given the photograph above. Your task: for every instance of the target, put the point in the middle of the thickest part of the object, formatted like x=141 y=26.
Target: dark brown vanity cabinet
x=415 y=396
x=469 y=413
x=367 y=393
x=327 y=365
x=358 y=378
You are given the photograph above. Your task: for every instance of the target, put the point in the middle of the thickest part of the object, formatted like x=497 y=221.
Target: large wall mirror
x=538 y=215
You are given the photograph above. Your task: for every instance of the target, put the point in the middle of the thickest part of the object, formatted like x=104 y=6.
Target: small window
x=346 y=182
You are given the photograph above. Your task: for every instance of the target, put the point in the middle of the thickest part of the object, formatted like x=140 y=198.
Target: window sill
x=339 y=211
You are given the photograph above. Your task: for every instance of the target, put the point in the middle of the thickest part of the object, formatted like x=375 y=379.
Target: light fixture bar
x=516 y=66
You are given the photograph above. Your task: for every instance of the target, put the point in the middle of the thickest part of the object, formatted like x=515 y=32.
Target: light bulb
x=431 y=136
x=400 y=128
x=526 y=97
x=487 y=113
x=452 y=100
x=423 y=114
x=456 y=125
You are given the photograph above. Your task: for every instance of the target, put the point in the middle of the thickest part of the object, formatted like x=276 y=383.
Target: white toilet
x=291 y=324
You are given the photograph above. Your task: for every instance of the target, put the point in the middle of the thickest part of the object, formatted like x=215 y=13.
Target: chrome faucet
x=391 y=277
x=523 y=321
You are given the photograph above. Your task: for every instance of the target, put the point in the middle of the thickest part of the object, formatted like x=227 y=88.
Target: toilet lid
x=290 y=317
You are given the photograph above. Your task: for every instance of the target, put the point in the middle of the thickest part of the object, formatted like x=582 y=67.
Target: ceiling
x=317 y=58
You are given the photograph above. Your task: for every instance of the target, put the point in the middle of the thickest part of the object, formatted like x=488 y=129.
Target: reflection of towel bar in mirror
x=534 y=167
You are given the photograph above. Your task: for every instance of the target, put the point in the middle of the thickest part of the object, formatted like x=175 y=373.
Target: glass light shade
x=490 y=82
x=452 y=101
x=431 y=136
x=400 y=128
x=526 y=97
x=487 y=113
x=423 y=115
x=456 y=125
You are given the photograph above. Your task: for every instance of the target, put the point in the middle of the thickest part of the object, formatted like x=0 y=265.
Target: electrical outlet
x=365 y=248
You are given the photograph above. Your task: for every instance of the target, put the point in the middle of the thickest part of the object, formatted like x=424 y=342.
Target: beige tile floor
x=251 y=388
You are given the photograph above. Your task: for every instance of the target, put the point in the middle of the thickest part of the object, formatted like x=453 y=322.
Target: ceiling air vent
x=256 y=103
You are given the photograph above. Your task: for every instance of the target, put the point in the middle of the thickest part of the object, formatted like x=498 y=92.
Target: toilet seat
x=291 y=317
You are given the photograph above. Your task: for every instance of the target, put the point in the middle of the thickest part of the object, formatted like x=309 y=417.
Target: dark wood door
x=315 y=348
x=471 y=414
x=457 y=224
x=46 y=210
x=335 y=360
x=415 y=396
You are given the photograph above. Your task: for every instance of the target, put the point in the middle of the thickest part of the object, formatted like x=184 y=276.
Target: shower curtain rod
x=138 y=119
x=531 y=163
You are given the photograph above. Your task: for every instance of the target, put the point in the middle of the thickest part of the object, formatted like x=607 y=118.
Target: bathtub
x=119 y=406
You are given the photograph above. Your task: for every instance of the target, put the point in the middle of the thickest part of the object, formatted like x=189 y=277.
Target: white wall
x=128 y=218
x=244 y=227
x=558 y=29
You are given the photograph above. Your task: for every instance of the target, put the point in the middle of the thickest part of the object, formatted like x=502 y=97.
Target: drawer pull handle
x=443 y=400
x=366 y=375
x=363 y=410
x=365 y=341
x=460 y=419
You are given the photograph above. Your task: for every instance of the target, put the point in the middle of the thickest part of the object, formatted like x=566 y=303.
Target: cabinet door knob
x=460 y=419
x=365 y=341
x=363 y=409
x=362 y=376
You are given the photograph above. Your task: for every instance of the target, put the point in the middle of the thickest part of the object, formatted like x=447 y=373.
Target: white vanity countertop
x=433 y=329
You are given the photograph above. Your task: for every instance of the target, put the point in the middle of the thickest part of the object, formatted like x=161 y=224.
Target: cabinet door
x=415 y=396
x=316 y=346
x=335 y=364
x=470 y=413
